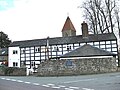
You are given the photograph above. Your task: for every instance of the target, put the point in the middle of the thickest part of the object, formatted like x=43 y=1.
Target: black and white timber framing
x=33 y=52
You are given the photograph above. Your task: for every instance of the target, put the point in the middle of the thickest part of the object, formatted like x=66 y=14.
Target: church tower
x=68 y=28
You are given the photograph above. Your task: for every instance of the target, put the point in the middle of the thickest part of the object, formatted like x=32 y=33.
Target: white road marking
x=27 y=82
x=13 y=80
x=51 y=84
x=45 y=85
x=87 y=89
x=68 y=89
x=8 y=79
x=74 y=87
x=2 y=78
x=19 y=81
x=36 y=84
x=23 y=81
x=80 y=80
x=55 y=87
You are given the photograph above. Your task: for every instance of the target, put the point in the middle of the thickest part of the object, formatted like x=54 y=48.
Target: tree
x=102 y=16
x=4 y=40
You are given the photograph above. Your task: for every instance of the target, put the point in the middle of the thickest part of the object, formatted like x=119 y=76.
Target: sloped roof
x=65 y=40
x=88 y=51
x=68 y=25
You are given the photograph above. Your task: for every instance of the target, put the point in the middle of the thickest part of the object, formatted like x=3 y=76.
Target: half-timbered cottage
x=31 y=53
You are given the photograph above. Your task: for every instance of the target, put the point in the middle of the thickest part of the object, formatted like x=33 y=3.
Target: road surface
x=110 y=81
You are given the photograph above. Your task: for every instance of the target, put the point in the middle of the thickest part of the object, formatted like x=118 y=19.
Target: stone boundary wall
x=12 y=71
x=118 y=70
x=77 y=66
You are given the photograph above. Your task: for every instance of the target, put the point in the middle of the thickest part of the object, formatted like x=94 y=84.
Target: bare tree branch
x=101 y=15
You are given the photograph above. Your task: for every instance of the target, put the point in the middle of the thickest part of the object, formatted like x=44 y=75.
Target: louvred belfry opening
x=68 y=28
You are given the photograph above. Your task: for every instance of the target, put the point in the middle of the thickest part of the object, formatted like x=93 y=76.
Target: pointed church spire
x=68 y=25
x=68 y=28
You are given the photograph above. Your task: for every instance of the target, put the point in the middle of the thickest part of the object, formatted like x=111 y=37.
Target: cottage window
x=23 y=51
x=37 y=49
x=68 y=48
x=56 y=48
x=15 y=64
x=32 y=64
x=15 y=52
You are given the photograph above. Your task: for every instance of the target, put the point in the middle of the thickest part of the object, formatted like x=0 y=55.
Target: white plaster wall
x=14 y=57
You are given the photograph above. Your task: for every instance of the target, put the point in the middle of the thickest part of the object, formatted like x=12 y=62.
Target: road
x=109 y=81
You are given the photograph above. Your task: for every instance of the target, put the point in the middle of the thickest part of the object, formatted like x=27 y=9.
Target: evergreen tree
x=4 y=40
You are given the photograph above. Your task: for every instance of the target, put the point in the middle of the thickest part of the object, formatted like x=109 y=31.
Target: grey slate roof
x=88 y=51
x=65 y=40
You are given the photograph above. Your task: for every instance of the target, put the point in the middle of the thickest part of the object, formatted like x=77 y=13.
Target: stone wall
x=1 y=71
x=77 y=66
x=12 y=71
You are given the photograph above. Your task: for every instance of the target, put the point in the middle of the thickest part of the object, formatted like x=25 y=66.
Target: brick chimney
x=84 y=30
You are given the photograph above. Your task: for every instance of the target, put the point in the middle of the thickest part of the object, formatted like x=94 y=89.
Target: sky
x=37 y=19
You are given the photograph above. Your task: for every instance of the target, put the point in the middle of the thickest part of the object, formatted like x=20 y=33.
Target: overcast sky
x=36 y=19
